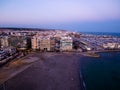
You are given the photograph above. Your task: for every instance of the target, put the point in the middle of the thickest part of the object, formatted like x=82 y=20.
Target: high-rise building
x=4 y=41
x=66 y=43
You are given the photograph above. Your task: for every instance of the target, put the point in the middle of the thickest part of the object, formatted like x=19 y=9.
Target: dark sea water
x=103 y=33
x=101 y=73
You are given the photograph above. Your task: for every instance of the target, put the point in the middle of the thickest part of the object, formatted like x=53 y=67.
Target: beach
x=54 y=71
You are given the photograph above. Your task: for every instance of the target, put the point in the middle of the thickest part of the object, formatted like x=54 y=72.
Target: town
x=16 y=42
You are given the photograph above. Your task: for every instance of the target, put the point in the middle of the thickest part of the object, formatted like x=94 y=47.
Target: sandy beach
x=52 y=72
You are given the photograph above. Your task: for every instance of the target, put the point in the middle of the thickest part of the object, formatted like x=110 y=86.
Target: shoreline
x=56 y=66
x=107 y=51
x=96 y=53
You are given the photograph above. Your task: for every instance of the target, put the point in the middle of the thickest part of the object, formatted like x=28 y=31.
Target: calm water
x=102 y=73
x=103 y=33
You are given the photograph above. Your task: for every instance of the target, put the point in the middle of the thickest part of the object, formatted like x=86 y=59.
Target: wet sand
x=52 y=72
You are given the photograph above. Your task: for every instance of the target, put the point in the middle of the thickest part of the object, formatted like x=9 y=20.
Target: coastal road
x=51 y=72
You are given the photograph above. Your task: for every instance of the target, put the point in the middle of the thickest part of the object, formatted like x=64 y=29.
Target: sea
x=101 y=73
x=103 y=33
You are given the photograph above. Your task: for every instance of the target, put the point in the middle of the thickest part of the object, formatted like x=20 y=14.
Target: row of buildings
x=14 y=41
x=101 y=42
x=56 y=40
x=111 y=45
x=52 y=43
x=40 y=40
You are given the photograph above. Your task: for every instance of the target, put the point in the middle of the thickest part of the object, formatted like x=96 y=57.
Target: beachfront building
x=4 y=41
x=57 y=43
x=34 y=41
x=41 y=43
x=45 y=44
x=66 y=43
x=20 y=42
x=110 y=45
x=52 y=44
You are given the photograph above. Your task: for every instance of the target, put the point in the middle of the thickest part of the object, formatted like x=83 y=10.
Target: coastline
x=60 y=70
x=95 y=54
x=107 y=51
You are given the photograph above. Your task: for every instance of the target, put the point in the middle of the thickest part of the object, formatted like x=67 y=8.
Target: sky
x=75 y=15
